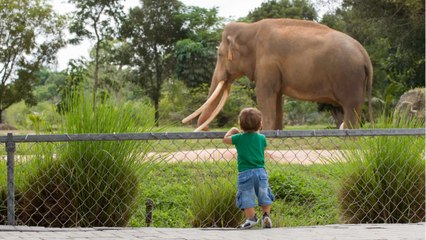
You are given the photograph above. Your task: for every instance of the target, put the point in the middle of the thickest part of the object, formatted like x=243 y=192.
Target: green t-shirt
x=250 y=148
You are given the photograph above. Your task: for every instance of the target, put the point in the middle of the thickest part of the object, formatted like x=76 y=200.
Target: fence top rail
x=206 y=135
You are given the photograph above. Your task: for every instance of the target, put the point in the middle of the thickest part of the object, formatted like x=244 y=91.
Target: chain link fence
x=189 y=179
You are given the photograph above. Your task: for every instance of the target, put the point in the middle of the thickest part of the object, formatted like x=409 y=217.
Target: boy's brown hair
x=250 y=119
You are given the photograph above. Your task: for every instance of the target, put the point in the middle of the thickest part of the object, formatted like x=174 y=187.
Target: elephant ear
x=231 y=47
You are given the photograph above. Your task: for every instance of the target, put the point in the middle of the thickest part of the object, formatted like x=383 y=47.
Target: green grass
x=83 y=183
x=306 y=194
x=384 y=181
x=172 y=186
x=212 y=204
x=384 y=178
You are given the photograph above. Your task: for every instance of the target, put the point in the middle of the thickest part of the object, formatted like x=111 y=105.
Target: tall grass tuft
x=88 y=183
x=213 y=205
x=384 y=180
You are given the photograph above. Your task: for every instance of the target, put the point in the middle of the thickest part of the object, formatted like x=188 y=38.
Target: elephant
x=301 y=59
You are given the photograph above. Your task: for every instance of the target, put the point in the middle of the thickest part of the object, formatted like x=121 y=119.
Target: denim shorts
x=251 y=184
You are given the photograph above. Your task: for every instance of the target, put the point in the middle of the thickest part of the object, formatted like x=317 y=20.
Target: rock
x=411 y=105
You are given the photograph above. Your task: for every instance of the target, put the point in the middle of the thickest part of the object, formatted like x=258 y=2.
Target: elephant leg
x=279 y=113
x=352 y=116
x=267 y=103
x=269 y=96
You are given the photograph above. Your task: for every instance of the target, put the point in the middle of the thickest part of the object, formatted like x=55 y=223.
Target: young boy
x=252 y=176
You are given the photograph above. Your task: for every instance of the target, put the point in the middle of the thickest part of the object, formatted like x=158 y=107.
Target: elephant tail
x=369 y=87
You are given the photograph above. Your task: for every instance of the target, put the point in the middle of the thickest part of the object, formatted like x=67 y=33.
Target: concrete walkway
x=332 y=232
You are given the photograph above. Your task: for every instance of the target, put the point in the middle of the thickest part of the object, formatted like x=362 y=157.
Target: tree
x=48 y=84
x=401 y=23
x=196 y=54
x=393 y=32
x=195 y=62
x=93 y=19
x=152 y=31
x=30 y=36
x=298 y=9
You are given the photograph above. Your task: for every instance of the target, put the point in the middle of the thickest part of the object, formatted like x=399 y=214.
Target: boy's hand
x=233 y=131
x=228 y=136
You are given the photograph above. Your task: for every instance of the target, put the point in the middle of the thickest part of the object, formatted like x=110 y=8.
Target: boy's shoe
x=266 y=222
x=249 y=224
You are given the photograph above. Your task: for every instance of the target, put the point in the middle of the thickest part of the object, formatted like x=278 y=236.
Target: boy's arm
x=228 y=136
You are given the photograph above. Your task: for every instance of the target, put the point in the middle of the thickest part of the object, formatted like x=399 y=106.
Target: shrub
x=48 y=200
x=213 y=205
x=86 y=183
x=31 y=117
x=384 y=181
x=304 y=195
x=291 y=186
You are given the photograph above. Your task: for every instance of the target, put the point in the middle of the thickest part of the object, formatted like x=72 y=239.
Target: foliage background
x=132 y=63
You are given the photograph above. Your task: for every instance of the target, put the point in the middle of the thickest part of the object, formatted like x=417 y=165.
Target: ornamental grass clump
x=87 y=183
x=384 y=181
x=213 y=205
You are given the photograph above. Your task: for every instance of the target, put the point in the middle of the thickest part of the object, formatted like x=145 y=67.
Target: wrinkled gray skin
x=297 y=58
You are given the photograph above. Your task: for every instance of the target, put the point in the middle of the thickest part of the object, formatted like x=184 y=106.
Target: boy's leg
x=266 y=219
x=251 y=219
x=246 y=198
x=249 y=213
x=264 y=197
x=266 y=209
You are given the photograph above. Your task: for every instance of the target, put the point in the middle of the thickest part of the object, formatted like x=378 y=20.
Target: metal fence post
x=10 y=149
x=149 y=204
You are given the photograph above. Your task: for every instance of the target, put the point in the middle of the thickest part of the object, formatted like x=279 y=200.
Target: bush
x=384 y=181
x=213 y=205
x=16 y=114
x=85 y=183
x=304 y=195
x=298 y=112
x=31 y=117
x=291 y=186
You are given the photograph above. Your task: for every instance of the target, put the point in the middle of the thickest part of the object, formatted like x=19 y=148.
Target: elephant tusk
x=215 y=112
x=208 y=102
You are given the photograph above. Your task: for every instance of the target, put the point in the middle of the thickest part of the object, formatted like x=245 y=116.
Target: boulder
x=411 y=105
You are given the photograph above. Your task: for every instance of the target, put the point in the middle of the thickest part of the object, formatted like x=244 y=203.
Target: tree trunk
x=157 y=111
x=95 y=85
x=157 y=88
x=157 y=95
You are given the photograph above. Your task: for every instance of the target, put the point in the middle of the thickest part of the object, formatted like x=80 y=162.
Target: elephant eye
x=219 y=54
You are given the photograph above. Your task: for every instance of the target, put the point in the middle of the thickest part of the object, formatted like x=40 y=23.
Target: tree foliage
x=94 y=19
x=48 y=84
x=195 y=62
x=30 y=36
x=393 y=31
x=75 y=75
x=298 y=9
x=165 y=41
x=196 y=54
x=152 y=31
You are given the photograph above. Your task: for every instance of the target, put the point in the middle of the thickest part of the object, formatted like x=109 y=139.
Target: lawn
x=305 y=195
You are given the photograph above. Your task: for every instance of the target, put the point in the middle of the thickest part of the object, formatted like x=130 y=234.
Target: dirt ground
x=282 y=156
